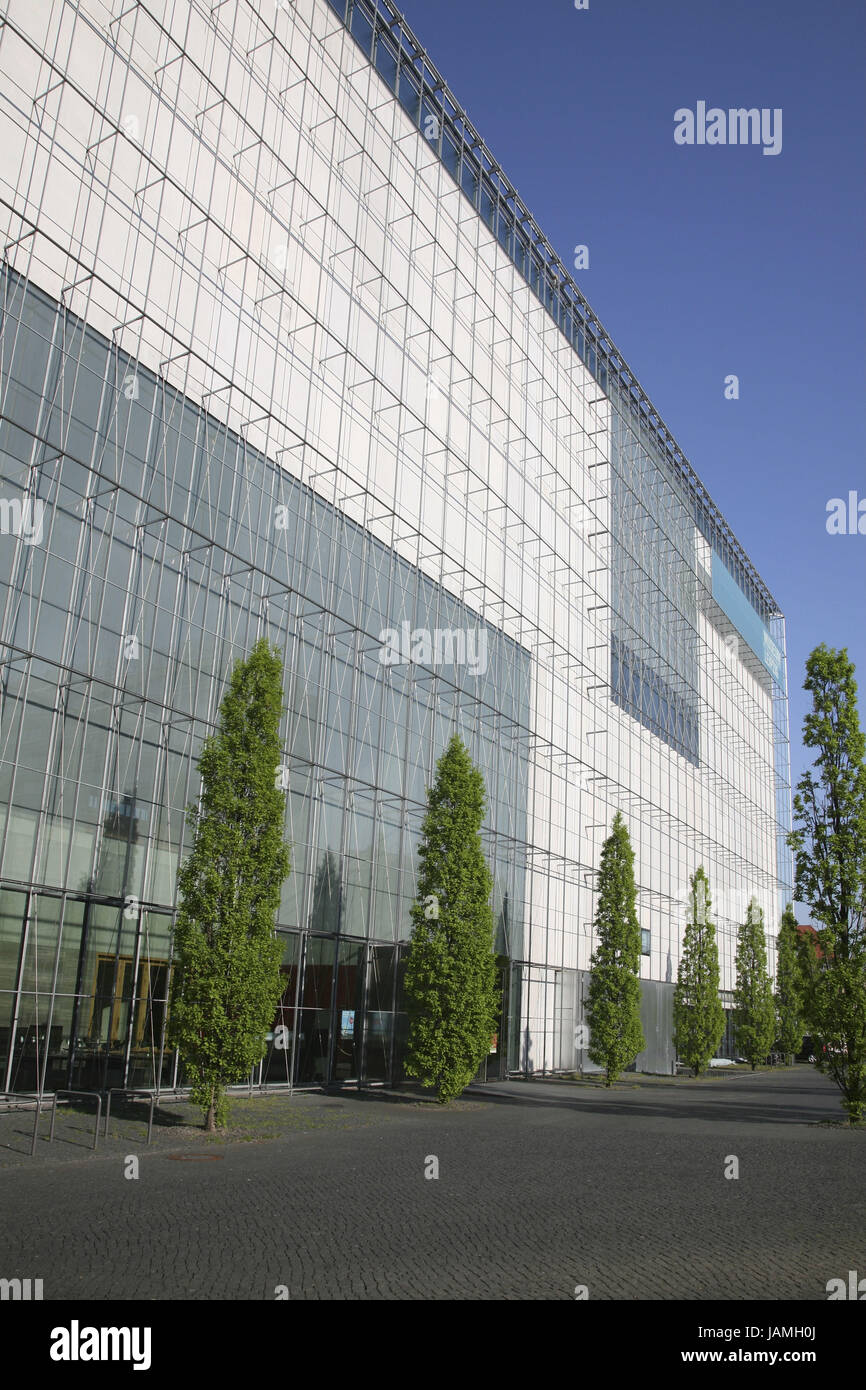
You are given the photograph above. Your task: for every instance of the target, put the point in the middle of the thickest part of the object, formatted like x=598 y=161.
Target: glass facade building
x=282 y=353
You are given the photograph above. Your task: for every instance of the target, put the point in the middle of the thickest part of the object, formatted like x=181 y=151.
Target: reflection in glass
x=107 y=813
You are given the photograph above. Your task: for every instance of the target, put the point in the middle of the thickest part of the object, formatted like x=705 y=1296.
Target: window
x=113 y=997
x=386 y=60
x=410 y=92
x=450 y=155
x=362 y=29
x=469 y=177
x=644 y=942
x=431 y=121
x=520 y=253
x=505 y=228
x=488 y=206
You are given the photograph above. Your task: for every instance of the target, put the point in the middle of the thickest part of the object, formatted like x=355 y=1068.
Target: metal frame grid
x=384 y=36
x=240 y=200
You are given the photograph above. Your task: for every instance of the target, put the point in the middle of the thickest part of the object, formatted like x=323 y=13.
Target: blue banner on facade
x=731 y=599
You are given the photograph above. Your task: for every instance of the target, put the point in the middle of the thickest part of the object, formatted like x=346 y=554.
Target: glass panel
x=7 y=1009
x=327 y=890
x=469 y=177
x=104 y=991
x=136 y=769
x=313 y=1034
x=43 y=930
x=505 y=228
x=347 y=1007
x=431 y=121
x=410 y=92
x=12 y=909
x=362 y=29
x=386 y=60
x=278 y=1059
x=450 y=156
x=318 y=973
x=487 y=206
x=33 y=1039
x=379 y=1044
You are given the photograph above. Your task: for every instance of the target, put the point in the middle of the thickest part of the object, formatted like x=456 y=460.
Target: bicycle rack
x=25 y=1101
x=93 y=1094
x=153 y=1096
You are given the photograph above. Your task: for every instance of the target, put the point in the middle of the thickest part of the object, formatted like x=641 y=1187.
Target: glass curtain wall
x=145 y=549
x=654 y=641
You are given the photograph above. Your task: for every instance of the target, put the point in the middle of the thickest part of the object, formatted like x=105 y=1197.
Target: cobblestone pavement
x=542 y=1186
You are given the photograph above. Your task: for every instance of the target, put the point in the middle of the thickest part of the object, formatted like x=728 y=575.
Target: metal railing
x=22 y=1100
x=93 y=1094
x=152 y=1096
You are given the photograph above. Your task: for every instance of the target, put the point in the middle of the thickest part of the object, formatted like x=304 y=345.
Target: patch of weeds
x=856 y=1125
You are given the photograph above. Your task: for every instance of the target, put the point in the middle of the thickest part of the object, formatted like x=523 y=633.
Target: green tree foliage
x=754 y=1014
x=699 y=1019
x=835 y=1008
x=451 y=979
x=788 y=995
x=227 y=973
x=829 y=844
x=613 y=1006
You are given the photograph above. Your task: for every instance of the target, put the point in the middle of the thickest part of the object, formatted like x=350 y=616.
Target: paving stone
x=542 y=1186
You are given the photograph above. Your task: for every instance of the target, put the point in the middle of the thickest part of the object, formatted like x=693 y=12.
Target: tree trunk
x=210 y=1122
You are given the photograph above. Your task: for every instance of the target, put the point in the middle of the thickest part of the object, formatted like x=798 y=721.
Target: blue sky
x=707 y=260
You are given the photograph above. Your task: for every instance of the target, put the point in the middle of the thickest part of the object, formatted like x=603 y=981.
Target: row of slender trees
x=613 y=1008
x=227 y=980
x=820 y=986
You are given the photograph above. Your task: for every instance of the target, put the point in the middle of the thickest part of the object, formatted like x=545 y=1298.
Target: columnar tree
x=227 y=979
x=613 y=1008
x=829 y=844
x=754 y=1015
x=788 y=994
x=451 y=980
x=699 y=1019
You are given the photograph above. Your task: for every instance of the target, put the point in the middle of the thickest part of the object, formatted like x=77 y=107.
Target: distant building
x=809 y=931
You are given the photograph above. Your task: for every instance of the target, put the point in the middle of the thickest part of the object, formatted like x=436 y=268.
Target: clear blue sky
x=706 y=261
